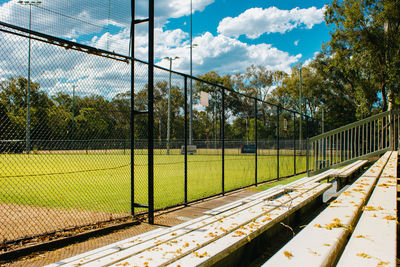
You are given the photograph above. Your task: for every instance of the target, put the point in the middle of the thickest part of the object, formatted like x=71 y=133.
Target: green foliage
x=364 y=51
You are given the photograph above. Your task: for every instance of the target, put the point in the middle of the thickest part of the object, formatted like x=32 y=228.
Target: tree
x=14 y=101
x=365 y=47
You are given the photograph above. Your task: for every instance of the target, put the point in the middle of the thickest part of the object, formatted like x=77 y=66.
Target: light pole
x=191 y=80
x=28 y=93
x=301 y=108
x=169 y=102
x=73 y=111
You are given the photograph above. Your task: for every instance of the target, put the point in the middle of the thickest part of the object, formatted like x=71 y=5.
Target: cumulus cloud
x=227 y=55
x=57 y=69
x=308 y=61
x=85 y=20
x=255 y=22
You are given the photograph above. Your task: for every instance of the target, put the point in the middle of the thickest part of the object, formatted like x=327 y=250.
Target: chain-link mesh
x=102 y=24
x=65 y=138
x=65 y=149
x=205 y=164
x=168 y=133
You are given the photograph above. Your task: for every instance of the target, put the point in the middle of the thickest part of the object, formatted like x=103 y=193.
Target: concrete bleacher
x=373 y=241
x=211 y=238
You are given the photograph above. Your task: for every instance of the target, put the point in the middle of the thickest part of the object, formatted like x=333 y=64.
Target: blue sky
x=298 y=44
x=308 y=40
x=230 y=35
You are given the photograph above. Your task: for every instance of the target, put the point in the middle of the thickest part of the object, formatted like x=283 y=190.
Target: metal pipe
x=277 y=142
x=150 y=100
x=169 y=104
x=132 y=110
x=185 y=133
x=294 y=143
x=255 y=139
x=223 y=139
x=28 y=93
x=191 y=74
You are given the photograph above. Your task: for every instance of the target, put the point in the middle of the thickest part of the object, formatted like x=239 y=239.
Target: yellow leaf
x=363 y=255
x=288 y=254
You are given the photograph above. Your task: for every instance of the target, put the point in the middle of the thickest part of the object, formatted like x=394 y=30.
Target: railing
x=361 y=139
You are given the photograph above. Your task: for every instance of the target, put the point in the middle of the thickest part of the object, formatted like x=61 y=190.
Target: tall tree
x=366 y=42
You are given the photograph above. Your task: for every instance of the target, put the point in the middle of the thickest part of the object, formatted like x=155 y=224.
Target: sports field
x=101 y=181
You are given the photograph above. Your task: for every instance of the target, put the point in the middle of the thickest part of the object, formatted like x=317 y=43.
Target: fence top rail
x=92 y=50
x=350 y=126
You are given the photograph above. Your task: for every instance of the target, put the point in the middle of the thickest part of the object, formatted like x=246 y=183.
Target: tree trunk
x=384 y=99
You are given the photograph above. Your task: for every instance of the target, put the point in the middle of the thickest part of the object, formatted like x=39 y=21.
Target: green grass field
x=101 y=181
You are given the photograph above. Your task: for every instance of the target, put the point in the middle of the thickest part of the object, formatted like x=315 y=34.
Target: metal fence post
x=307 y=152
x=255 y=139
x=185 y=134
x=294 y=143
x=277 y=142
x=223 y=139
x=150 y=157
x=132 y=111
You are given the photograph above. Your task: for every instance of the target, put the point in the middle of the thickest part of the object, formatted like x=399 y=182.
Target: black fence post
x=132 y=119
x=294 y=143
x=185 y=134
x=150 y=101
x=307 y=152
x=277 y=142
x=255 y=139
x=223 y=138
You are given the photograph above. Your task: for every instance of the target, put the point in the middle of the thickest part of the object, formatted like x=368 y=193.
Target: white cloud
x=226 y=55
x=308 y=61
x=255 y=22
x=57 y=69
x=80 y=20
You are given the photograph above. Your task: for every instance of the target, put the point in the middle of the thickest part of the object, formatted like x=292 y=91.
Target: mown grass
x=102 y=181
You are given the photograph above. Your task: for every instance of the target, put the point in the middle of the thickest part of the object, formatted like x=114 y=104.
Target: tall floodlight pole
x=73 y=110
x=301 y=108
x=169 y=102
x=28 y=93
x=191 y=80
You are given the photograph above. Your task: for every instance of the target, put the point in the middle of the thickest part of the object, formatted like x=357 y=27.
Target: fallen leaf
x=381 y=263
x=389 y=217
x=363 y=255
x=288 y=254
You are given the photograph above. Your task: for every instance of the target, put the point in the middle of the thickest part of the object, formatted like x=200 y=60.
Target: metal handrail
x=358 y=140
x=349 y=126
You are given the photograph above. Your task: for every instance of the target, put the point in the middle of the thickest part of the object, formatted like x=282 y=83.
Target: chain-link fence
x=64 y=137
x=67 y=133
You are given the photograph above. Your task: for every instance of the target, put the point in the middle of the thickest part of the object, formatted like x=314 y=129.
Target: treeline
x=64 y=117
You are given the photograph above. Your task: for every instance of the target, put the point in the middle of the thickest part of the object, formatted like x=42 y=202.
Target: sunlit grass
x=102 y=181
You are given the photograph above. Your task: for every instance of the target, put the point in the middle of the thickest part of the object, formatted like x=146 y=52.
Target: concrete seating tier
x=374 y=238
x=213 y=237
